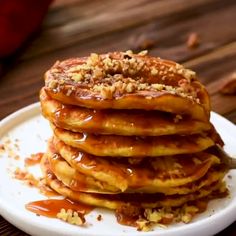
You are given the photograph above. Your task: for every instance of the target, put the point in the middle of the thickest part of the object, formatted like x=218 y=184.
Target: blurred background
x=201 y=34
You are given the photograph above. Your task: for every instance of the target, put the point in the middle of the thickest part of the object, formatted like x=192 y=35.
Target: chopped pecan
x=230 y=87
x=193 y=40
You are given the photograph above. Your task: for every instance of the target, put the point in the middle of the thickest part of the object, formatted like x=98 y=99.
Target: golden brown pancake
x=76 y=180
x=133 y=146
x=119 y=122
x=115 y=201
x=151 y=174
x=127 y=81
x=80 y=182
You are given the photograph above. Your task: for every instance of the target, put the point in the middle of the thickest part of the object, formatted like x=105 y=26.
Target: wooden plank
x=214 y=70
x=216 y=67
x=232 y=117
x=223 y=104
x=229 y=231
x=106 y=16
x=219 y=56
x=8 y=229
x=163 y=32
x=62 y=12
x=60 y=4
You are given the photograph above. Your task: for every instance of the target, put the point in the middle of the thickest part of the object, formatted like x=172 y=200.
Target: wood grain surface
x=78 y=27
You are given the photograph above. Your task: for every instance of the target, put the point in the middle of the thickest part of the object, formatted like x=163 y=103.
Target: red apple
x=18 y=20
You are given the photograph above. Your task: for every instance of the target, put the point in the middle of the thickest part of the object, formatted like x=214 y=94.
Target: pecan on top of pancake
x=123 y=80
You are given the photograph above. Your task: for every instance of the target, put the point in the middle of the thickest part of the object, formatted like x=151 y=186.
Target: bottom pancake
x=80 y=182
x=118 y=201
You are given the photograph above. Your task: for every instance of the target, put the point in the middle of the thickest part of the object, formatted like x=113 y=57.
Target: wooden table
x=78 y=27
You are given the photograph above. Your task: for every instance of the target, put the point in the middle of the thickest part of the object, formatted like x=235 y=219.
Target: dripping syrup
x=51 y=207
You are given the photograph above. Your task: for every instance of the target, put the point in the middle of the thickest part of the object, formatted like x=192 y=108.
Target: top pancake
x=128 y=81
x=119 y=122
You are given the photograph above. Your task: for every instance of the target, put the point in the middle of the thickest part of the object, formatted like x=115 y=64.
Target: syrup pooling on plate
x=51 y=207
x=64 y=209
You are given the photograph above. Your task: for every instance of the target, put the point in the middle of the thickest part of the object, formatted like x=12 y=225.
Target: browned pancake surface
x=133 y=146
x=128 y=81
x=146 y=174
x=119 y=122
x=118 y=200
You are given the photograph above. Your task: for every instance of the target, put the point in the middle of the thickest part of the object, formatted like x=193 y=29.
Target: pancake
x=151 y=174
x=116 y=201
x=119 y=122
x=76 y=180
x=127 y=81
x=133 y=146
x=82 y=183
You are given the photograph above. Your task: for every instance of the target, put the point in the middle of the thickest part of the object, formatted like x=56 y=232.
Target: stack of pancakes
x=131 y=133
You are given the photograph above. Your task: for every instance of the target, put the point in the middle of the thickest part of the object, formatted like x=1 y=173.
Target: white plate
x=32 y=130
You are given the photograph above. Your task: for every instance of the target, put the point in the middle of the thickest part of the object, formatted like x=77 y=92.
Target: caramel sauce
x=89 y=118
x=128 y=215
x=94 y=120
x=123 y=219
x=2 y=147
x=201 y=205
x=51 y=207
x=140 y=174
x=110 y=121
x=78 y=183
x=166 y=220
x=114 y=145
x=33 y=159
x=133 y=101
